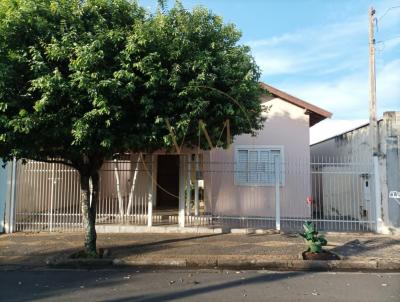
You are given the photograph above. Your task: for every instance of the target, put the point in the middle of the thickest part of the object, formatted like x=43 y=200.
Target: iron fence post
x=277 y=194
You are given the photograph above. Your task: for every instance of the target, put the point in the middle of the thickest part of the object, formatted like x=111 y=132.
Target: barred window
x=256 y=165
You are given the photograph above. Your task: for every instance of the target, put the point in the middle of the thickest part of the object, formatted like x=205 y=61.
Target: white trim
x=150 y=196
x=279 y=148
x=196 y=186
x=188 y=184
x=277 y=170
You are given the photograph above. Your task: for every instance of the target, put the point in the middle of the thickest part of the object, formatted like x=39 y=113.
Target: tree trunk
x=88 y=203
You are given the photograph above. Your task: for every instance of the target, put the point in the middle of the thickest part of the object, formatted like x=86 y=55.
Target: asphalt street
x=196 y=285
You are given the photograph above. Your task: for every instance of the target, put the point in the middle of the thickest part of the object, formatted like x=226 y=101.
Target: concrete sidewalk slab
x=269 y=251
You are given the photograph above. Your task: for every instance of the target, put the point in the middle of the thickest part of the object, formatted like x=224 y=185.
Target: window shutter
x=241 y=168
x=256 y=166
x=264 y=167
x=253 y=161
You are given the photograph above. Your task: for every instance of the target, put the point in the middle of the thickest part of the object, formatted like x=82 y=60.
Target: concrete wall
x=352 y=145
x=287 y=126
x=390 y=167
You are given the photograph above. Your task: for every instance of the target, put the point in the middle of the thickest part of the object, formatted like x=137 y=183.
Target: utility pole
x=373 y=125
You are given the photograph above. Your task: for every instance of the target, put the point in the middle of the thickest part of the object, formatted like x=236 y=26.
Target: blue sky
x=318 y=51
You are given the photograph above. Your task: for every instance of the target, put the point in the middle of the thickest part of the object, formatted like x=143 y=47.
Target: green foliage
x=315 y=242
x=83 y=80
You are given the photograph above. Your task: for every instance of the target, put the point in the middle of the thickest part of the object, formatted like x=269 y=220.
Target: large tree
x=83 y=80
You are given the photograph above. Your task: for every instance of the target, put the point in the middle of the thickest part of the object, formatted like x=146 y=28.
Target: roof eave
x=316 y=113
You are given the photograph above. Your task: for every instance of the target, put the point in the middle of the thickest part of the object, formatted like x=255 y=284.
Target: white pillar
x=181 y=217
x=10 y=200
x=53 y=183
x=188 y=188
x=277 y=194
x=196 y=187
x=378 y=205
x=150 y=194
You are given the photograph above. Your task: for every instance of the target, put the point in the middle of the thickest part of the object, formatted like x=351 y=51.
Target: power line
x=377 y=20
x=383 y=41
x=387 y=11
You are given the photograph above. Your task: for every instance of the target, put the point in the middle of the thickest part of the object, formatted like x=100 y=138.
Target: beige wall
x=286 y=126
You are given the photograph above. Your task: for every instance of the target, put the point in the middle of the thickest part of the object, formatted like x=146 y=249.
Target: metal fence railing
x=335 y=193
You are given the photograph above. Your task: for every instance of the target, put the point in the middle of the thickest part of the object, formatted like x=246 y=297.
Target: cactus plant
x=315 y=241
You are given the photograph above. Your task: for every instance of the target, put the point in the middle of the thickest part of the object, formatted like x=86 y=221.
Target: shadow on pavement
x=18 y=287
x=360 y=248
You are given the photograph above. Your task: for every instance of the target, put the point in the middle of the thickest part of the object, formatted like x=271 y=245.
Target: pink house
x=236 y=182
x=251 y=189
x=189 y=187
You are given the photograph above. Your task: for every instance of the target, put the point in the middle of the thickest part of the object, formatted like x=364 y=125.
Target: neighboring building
x=354 y=146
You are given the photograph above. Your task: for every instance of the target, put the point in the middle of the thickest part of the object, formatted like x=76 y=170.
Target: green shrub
x=315 y=242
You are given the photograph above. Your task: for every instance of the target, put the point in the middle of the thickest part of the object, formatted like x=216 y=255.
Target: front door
x=168 y=182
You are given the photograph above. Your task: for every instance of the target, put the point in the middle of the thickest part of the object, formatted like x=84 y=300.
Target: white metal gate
x=336 y=194
x=47 y=196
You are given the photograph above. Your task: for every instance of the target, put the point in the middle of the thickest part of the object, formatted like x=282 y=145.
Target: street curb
x=236 y=262
x=80 y=263
x=272 y=264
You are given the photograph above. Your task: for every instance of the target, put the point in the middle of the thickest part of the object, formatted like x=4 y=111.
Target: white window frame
x=279 y=148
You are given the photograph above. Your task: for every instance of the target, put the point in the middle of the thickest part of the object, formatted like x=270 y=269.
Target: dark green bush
x=315 y=242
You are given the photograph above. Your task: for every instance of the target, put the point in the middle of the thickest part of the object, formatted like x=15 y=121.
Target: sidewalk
x=271 y=251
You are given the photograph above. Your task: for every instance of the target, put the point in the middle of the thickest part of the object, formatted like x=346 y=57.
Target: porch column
x=188 y=187
x=9 y=219
x=150 y=192
x=181 y=217
x=196 y=187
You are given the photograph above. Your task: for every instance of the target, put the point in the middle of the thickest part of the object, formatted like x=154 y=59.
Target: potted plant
x=315 y=243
